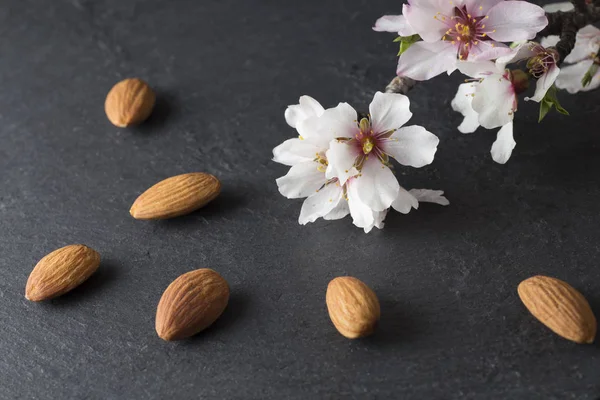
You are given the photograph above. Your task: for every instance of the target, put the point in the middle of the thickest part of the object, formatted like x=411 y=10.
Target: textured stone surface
x=452 y=326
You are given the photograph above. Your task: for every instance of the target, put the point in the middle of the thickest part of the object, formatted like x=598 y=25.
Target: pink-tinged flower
x=541 y=63
x=363 y=148
x=328 y=197
x=464 y=30
x=495 y=97
x=462 y=102
x=584 y=58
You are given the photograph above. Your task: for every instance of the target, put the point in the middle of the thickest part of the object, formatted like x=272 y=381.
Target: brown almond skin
x=191 y=304
x=176 y=196
x=353 y=307
x=560 y=307
x=129 y=102
x=61 y=271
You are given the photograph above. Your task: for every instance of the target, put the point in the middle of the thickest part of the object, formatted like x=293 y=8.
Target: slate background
x=452 y=325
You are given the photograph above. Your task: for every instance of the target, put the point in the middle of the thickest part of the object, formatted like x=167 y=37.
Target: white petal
x=504 y=144
x=341 y=157
x=494 y=101
x=405 y=201
x=521 y=52
x=462 y=104
x=587 y=43
x=339 y=121
x=320 y=203
x=307 y=107
x=485 y=7
x=294 y=151
x=302 y=180
x=550 y=41
x=488 y=50
x=511 y=21
x=413 y=146
x=362 y=215
x=544 y=83
x=424 y=60
x=554 y=7
x=376 y=186
x=477 y=69
x=420 y=15
x=389 y=111
x=378 y=217
x=570 y=77
x=394 y=23
x=339 y=212
x=430 y=196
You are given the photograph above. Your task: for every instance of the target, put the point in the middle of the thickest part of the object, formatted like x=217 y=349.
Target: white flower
x=583 y=56
x=363 y=149
x=462 y=102
x=394 y=23
x=465 y=30
x=562 y=6
x=332 y=197
x=494 y=98
x=541 y=65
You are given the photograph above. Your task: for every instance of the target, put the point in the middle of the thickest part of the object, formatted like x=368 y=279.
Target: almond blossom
x=329 y=196
x=363 y=149
x=583 y=58
x=460 y=30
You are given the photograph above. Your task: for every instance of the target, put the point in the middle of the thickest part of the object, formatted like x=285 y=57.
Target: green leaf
x=406 y=42
x=550 y=101
x=589 y=75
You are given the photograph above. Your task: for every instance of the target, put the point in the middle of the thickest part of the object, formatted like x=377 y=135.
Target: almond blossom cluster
x=342 y=164
x=483 y=39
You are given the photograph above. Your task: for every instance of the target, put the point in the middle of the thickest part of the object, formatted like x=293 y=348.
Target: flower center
x=321 y=161
x=464 y=30
x=539 y=64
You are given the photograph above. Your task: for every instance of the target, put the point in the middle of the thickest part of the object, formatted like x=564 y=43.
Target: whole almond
x=129 y=102
x=191 y=304
x=175 y=196
x=560 y=307
x=353 y=307
x=61 y=271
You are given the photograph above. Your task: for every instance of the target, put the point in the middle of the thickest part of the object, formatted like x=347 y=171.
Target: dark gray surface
x=452 y=325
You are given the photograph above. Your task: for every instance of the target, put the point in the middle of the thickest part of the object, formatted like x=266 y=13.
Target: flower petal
x=362 y=215
x=430 y=196
x=320 y=203
x=413 y=146
x=376 y=186
x=307 y=107
x=302 y=180
x=478 y=69
x=512 y=21
x=394 y=23
x=339 y=212
x=494 y=101
x=294 y=151
x=504 y=144
x=570 y=77
x=462 y=104
x=341 y=157
x=521 y=52
x=378 y=217
x=424 y=60
x=339 y=121
x=389 y=111
x=550 y=41
x=587 y=43
x=561 y=6
x=544 y=83
x=421 y=14
x=405 y=201
x=488 y=50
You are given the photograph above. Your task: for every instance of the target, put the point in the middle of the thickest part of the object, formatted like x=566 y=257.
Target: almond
x=353 y=307
x=175 y=196
x=129 y=102
x=560 y=307
x=191 y=304
x=61 y=271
